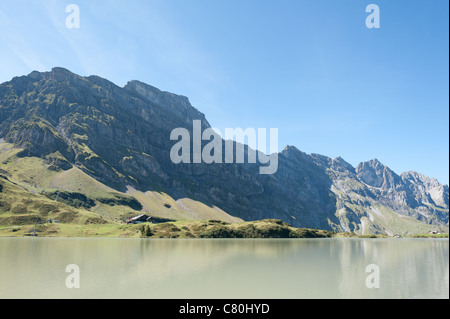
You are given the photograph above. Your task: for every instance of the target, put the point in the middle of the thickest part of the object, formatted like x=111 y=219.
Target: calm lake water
x=229 y=269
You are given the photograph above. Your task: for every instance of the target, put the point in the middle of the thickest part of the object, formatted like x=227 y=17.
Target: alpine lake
x=72 y=268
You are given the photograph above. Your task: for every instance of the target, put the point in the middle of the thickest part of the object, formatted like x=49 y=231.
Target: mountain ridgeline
x=57 y=128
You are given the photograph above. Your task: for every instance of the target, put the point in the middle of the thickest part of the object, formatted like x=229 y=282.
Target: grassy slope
x=19 y=206
x=184 y=229
x=33 y=175
x=181 y=209
x=374 y=216
x=179 y=229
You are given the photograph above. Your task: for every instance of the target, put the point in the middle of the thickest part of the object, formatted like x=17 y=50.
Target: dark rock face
x=121 y=137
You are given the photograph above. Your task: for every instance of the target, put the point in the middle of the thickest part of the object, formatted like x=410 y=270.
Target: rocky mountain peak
x=341 y=163
x=427 y=187
x=60 y=70
x=60 y=74
x=419 y=178
x=376 y=174
x=178 y=105
x=35 y=75
x=293 y=153
x=157 y=96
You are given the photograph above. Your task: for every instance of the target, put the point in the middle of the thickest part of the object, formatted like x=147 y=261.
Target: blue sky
x=309 y=68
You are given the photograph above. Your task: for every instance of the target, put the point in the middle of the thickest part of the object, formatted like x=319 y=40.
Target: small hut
x=138 y=219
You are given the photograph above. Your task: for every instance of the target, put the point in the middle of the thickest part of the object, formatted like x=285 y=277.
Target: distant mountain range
x=102 y=152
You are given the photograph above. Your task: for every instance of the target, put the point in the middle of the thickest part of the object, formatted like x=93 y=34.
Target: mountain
x=104 y=150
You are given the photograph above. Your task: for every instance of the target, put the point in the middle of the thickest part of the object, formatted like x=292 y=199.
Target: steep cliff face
x=376 y=175
x=426 y=190
x=410 y=194
x=121 y=138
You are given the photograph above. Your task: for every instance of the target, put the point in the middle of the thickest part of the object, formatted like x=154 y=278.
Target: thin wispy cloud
x=17 y=44
x=160 y=39
x=78 y=44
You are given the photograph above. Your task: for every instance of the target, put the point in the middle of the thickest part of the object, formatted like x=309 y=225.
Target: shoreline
x=190 y=229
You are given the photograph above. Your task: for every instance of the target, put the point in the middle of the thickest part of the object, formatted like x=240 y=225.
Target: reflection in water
x=134 y=268
x=409 y=268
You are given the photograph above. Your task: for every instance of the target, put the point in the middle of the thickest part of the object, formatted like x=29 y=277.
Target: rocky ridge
x=120 y=137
